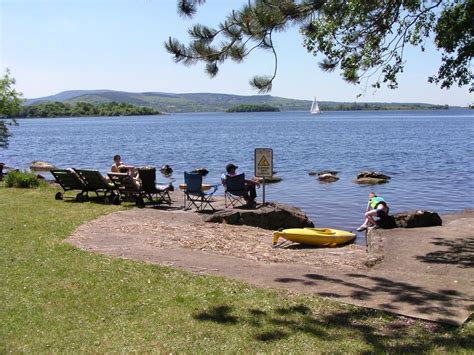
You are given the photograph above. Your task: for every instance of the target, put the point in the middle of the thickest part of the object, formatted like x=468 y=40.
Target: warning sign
x=263 y=162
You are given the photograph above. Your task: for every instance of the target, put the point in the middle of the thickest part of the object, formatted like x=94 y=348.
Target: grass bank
x=56 y=298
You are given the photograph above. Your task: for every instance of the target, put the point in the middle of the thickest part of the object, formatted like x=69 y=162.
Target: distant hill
x=209 y=102
x=63 y=96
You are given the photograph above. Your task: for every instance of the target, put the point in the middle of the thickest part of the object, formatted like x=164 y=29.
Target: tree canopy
x=366 y=40
x=9 y=106
x=81 y=109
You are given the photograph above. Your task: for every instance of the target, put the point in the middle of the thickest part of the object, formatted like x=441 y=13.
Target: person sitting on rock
x=250 y=185
x=376 y=207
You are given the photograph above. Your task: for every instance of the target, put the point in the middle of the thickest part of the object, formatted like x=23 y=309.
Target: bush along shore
x=82 y=109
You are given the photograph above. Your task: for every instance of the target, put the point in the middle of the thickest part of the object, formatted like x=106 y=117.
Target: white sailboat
x=315 y=108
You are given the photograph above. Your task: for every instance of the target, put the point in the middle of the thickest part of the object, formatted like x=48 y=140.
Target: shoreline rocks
x=37 y=165
x=411 y=219
x=272 y=216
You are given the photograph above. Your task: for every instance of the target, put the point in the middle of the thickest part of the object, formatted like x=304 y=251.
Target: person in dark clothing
x=250 y=185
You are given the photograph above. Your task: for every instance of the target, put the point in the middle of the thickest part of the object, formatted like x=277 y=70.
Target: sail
x=315 y=107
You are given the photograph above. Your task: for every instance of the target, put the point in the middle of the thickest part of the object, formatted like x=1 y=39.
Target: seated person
x=376 y=207
x=119 y=167
x=250 y=193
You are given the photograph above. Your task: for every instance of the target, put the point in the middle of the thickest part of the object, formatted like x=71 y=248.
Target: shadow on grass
x=458 y=252
x=219 y=314
x=365 y=325
x=444 y=303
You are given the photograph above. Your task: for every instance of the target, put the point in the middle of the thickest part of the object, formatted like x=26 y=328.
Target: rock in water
x=201 y=171
x=332 y=172
x=327 y=177
x=41 y=166
x=270 y=180
x=272 y=216
x=166 y=170
x=371 y=178
x=370 y=181
x=372 y=174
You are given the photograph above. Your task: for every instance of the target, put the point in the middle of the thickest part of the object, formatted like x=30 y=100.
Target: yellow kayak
x=324 y=237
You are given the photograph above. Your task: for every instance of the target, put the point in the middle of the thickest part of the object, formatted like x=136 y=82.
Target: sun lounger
x=95 y=182
x=147 y=192
x=69 y=181
x=126 y=187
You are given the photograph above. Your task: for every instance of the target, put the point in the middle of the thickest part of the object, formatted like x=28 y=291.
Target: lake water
x=428 y=154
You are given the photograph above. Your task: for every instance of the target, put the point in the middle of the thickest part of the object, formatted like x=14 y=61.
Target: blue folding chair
x=194 y=194
x=235 y=191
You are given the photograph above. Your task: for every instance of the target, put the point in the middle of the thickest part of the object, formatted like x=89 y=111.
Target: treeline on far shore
x=375 y=107
x=253 y=108
x=80 y=109
x=85 y=109
x=342 y=107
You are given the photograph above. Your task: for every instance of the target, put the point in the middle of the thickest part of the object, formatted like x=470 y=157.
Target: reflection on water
x=428 y=154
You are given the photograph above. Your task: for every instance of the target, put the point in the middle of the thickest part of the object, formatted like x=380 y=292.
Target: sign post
x=263 y=165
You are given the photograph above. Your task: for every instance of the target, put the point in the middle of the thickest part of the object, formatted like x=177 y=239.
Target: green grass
x=56 y=298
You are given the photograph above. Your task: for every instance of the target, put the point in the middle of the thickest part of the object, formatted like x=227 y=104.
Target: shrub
x=23 y=179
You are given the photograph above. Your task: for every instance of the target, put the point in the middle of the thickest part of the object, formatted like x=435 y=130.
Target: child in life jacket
x=376 y=207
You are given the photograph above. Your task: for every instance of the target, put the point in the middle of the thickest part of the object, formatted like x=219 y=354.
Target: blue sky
x=56 y=45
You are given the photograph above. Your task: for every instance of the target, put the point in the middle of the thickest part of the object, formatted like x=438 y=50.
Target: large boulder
x=271 y=216
x=411 y=219
x=371 y=178
x=41 y=165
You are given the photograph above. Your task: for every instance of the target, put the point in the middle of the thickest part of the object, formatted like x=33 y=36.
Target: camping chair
x=69 y=181
x=194 y=194
x=95 y=182
x=235 y=191
x=155 y=193
x=125 y=185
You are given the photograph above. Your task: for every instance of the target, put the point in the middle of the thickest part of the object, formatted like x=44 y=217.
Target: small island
x=83 y=109
x=253 y=108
